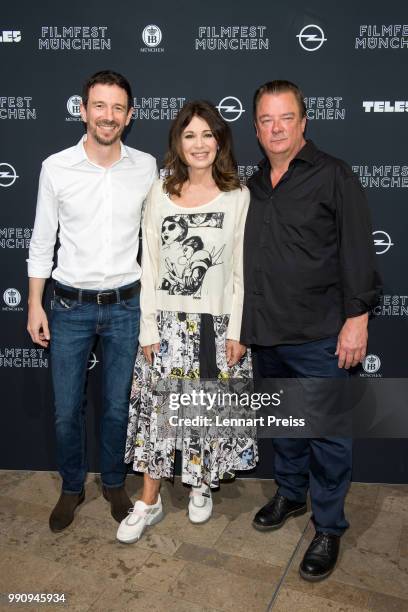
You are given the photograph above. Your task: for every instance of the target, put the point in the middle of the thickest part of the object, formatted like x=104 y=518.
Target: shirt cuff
x=149 y=333
x=36 y=270
x=360 y=305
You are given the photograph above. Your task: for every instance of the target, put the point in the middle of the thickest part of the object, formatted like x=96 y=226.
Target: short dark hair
x=107 y=77
x=277 y=87
x=224 y=169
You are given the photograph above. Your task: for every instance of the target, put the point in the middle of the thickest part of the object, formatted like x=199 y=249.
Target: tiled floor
x=223 y=565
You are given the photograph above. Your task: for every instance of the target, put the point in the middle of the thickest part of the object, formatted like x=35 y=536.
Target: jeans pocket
x=62 y=303
x=132 y=303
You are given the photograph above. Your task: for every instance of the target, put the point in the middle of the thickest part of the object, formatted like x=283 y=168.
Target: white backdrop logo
x=152 y=36
x=15 y=237
x=92 y=361
x=371 y=364
x=385 y=176
x=17 y=357
x=230 y=108
x=382 y=242
x=394 y=36
x=392 y=306
x=10 y=36
x=311 y=37
x=73 y=106
x=12 y=297
x=74 y=38
x=325 y=107
x=232 y=38
x=17 y=107
x=8 y=175
x=385 y=106
x=245 y=172
x=157 y=108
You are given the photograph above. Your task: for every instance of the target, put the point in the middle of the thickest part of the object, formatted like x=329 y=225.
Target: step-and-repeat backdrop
x=350 y=60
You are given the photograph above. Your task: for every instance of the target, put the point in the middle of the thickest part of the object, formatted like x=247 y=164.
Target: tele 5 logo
x=10 y=36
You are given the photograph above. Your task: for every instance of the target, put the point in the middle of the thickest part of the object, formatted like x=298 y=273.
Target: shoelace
x=322 y=539
x=277 y=503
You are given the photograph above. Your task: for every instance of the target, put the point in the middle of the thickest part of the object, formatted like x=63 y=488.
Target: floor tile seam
x=228 y=571
x=222 y=532
x=233 y=556
x=288 y=566
x=242 y=555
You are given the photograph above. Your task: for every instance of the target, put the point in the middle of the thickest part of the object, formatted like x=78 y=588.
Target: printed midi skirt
x=191 y=346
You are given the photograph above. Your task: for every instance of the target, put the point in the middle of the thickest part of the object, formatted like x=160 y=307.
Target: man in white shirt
x=92 y=194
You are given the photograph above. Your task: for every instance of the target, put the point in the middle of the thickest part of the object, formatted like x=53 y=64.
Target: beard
x=108 y=140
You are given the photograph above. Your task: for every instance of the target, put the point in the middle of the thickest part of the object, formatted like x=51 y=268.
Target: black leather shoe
x=63 y=513
x=321 y=556
x=274 y=514
x=119 y=501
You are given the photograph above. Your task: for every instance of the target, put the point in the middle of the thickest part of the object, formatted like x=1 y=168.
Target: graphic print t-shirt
x=192 y=259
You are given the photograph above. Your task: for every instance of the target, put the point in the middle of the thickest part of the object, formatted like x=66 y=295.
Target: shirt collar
x=80 y=153
x=307 y=153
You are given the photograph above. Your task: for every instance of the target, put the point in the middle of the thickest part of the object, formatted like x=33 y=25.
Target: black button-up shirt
x=309 y=259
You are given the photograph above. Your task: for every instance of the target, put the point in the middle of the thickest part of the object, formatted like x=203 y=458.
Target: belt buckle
x=99 y=297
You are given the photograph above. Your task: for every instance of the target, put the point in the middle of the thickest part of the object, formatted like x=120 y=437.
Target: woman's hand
x=234 y=350
x=149 y=350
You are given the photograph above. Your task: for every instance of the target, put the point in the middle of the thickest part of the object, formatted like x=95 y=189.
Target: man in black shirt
x=310 y=281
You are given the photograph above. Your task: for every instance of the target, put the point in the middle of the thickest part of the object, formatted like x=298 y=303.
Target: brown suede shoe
x=63 y=513
x=119 y=501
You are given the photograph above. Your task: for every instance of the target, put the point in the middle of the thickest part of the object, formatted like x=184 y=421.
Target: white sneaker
x=200 y=505
x=141 y=515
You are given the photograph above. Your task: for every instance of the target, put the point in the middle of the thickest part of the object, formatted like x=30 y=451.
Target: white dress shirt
x=98 y=212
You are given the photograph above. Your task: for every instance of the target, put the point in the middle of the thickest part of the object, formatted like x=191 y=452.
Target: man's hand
x=37 y=325
x=148 y=351
x=352 y=341
x=234 y=351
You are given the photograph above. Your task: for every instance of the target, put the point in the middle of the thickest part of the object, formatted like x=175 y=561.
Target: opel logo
x=8 y=175
x=311 y=37
x=230 y=108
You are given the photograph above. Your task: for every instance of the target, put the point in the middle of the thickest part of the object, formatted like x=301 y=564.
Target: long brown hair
x=224 y=169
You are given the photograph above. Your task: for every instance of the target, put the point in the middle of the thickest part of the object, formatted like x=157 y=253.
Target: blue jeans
x=321 y=464
x=75 y=325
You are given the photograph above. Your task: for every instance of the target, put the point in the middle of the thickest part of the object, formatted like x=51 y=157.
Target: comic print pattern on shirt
x=192 y=245
x=208 y=459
